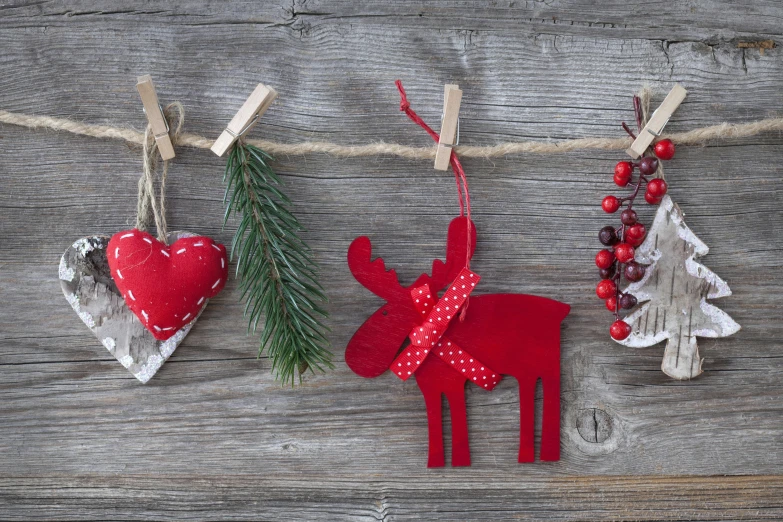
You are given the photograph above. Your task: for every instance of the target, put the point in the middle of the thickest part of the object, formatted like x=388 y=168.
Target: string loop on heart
x=150 y=209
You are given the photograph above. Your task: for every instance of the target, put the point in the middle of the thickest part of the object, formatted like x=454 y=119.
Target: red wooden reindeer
x=512 y=334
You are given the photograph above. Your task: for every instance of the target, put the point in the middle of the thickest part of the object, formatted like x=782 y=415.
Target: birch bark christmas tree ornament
x=667 y=289
x=138 y=294
x=458 y=338
x=277 y=273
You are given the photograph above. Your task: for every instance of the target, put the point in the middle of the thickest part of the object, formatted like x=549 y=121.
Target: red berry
x=623 y=169
x=611 y=304
x=606 y=289
x=610 y=204
x=620 y=181
x=652 y=200
x=664 y=149
x=648 y=165
x=607 y=236
x=604 y=259
x=620 y=330
x=634 y=271
x=635 y=232
x=628 y=216
x=657 y=188
x=634 y=242
x=627 y=301
x=624 y=252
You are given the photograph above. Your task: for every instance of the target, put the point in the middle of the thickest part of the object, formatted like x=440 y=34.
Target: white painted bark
x=673 y=295
x=88 y=287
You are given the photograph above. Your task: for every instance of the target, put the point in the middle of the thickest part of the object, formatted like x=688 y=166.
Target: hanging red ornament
x=166 y=286
x=452 y=342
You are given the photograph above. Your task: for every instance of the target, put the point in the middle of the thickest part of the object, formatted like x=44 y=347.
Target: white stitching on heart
x=165 y=253
x=180 y=250
x=126 y=235
x=131 y=295
x=148 y=240
x=119 y=273
x=216 y=283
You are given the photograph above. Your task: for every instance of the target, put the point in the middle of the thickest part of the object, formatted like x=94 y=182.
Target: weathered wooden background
x=212 y=435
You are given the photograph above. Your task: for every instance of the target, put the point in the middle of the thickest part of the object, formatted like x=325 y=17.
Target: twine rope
x=150 y=209
x=699 y=136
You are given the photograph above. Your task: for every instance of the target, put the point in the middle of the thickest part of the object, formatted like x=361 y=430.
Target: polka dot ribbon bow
x=428 y=336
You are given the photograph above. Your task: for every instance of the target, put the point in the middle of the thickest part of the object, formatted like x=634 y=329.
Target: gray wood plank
x=212 y=435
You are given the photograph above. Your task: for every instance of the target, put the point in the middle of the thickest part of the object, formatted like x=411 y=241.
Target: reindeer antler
x=456 y=246
x=372 y=274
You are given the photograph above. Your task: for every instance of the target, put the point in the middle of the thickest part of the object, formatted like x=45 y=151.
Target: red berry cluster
x=617 y=260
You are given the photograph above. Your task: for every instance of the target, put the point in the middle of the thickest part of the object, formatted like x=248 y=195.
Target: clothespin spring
x=160 y=135
x=660 y=131
x=456 y=139
x=241 y=133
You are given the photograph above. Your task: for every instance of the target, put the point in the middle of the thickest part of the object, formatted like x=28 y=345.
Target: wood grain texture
x=211 y=435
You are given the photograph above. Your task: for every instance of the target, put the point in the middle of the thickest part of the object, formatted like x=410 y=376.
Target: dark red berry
x=610 y=204
x=652 y=200
x=648 y=165
x=628 y=216
x=657 y=188
x=620 y=330
x=607 y=236
x=621 y=182
x=635 y=232
x=624 y=252
x=664 y=149
x=606 y=289
x=607 y=273
x=627 y=301
x=611 y=304
x=604 y=259
x=634 y=271
x=623 y=169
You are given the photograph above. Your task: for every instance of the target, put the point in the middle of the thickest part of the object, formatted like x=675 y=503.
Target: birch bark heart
x=88 y=286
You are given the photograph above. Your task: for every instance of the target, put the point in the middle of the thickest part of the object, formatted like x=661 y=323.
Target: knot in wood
x=594 y=425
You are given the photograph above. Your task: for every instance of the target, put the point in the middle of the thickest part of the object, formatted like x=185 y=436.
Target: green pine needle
x=277 y=276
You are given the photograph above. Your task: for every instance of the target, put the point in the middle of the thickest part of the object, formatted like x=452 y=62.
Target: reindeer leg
x=550 y=430
x=432 y=399
x=527 y=410
x=460 y=448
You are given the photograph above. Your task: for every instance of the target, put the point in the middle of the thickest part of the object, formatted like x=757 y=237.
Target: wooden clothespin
x=452 y=98
x=247 y=116
x=657 y=121
x=160 y=127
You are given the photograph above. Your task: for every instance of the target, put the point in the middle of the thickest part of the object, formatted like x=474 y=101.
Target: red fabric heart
x=166 y=286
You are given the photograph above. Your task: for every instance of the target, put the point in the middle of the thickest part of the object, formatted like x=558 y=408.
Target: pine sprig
x=277 y=276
